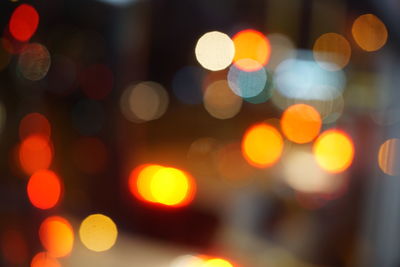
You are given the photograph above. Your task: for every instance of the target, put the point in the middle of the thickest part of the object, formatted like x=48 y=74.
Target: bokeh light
x=90 y=155
x=44 y=189
x=215 y=51
x=57 y=236
x=332 y=51
x=388 y=156
x=369 y=32
x=252 y=50
x=14 y=247
x=163 y=185
x=217 y=262
x=145 y=101
x=304 y=79
x=43 y=259
x=34 y=124
x=312 y=178
x=35 y=153
x=220 y=102
x=247 y=84
x=34 y=62
x=24 y=22
x=96 y=81
x=98 y=232
x=301 y=123
x=262 y=145
x=334 y=151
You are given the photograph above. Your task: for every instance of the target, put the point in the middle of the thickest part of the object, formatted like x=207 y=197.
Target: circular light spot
x=98 y=232
x=34 y=62
x=171 y=187
x=145 y=101
x=369 y=32
x=251 y=44
x=35 y=154
x=312 y=178
x=215 y=51
x=43 y=259
x=217 y=263
x=332 y=51
x=220 y=101
x=388 y=156
x=24 y=22
x=44 y=189
x=57 y=236
x=247 y=84
x=90 y=155
x=262 y=145
x=334 y=151
x=97 y=81
x=162 y=185
x=34 y=124
x=301 y=123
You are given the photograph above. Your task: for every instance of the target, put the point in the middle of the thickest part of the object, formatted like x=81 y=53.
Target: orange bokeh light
x=57 y=236
x=334 y=151
x=44 y=189
x=35 y=153
x=24 y=22
x=34 y=124
x=252 y=50
x=43 y=259
x=262 y=145
x=162 y=185
x=301 y=123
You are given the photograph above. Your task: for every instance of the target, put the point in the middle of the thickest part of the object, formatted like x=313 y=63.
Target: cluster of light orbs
x=166 y=186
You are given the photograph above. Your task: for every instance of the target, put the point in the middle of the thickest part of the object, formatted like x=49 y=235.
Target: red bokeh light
x=44 y=189
x=24 y=22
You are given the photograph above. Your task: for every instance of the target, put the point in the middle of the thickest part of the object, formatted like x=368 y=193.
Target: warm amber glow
x=332 y=51
x=253 y=45
x=369 y=32
x=334 y=151
x=217 y=263
x=57 y=236
x=388 y=157
x=98 y=232
x=301 y=123
x=43 y=259
x=162 y=185
x=35 y=154
x=215 y=51
x=262 y=145
x=44 y=189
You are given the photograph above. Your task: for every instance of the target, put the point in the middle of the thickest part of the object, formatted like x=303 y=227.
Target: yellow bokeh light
x=57 y=236
x=301 y=123
x=98 y=232
x=220 y=101
x=332 y=51
x=369 y=32
x=169 y=186
x=262 y=145
x=334 y=151
x=163 y=185
x=388 y=156
x=217 y=263
x=215 y=51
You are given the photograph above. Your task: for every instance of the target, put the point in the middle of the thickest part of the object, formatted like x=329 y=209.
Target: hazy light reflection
x=34 y=62
x=389 y=155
